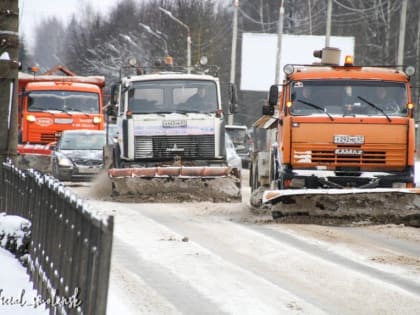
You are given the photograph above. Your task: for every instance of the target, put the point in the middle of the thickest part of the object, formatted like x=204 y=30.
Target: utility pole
x=233 y=52
x=310 y=16
x=328 y=31
x=279 y=42
x=400 y=57
x=9 y=68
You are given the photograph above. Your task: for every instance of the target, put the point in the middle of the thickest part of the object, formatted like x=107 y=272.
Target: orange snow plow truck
x=341 y=142
x=51 y=103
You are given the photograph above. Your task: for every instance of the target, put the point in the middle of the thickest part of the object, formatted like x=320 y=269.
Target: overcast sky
x=34 y=11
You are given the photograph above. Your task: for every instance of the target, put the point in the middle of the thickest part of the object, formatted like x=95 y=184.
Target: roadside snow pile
x=15 y=234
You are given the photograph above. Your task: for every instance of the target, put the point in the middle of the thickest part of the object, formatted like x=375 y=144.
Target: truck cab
x=338 y=127
x=170 y=118
x=171 y=138
x=49 y=104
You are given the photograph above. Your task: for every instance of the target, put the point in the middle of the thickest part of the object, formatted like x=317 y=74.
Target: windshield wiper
x=160 y=113
x=186 y=111
x=77 y=110
x=36 y=108
x=375 y=107
x=60 y=110
x=316 y=107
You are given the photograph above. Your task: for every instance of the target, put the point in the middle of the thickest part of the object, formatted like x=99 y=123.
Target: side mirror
x=273 y=95
x=233 y=95
x=111 y=110
x=268 y=110
x=115 y=94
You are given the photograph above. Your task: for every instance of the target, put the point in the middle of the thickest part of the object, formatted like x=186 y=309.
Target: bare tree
x=49 y=42
x=96 y=44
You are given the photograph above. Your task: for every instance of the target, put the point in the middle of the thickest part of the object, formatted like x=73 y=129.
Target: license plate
x=347 y=139
x=174 y=123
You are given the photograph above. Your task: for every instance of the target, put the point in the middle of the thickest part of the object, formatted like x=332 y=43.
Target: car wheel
x=56 y=173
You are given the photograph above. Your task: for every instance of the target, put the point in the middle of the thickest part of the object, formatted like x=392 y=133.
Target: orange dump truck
x=341 y=142
x=49 y=104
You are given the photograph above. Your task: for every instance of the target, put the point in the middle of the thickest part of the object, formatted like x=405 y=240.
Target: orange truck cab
x=49 y=104
x=341 y=126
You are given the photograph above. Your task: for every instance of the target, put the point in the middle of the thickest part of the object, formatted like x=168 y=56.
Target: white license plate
x=346 y=139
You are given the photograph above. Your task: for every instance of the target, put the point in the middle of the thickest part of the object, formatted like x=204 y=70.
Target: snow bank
x=14 y=233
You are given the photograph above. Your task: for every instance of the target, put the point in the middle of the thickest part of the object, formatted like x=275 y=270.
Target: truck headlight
x=31 y=118
x=97 y=120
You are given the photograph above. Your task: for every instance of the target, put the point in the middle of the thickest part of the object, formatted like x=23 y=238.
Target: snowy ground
x=16 y=293
x=191 y=257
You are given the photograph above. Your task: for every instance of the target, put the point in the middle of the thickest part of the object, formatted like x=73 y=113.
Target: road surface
x=207 y=258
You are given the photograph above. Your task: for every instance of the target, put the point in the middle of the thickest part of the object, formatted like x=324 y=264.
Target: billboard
x=259 y=51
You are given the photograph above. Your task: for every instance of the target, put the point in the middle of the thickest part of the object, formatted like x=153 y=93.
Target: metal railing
x=70 y=248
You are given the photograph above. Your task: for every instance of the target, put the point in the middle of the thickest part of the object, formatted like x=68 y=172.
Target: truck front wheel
x=116 y=156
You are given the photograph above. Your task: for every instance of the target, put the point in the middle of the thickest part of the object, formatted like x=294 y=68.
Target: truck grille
x=166 y=147
x=365 y=158
x=48 y=137
x=371 y=156
x=86 y=162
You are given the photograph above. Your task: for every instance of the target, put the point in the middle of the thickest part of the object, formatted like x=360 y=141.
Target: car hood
x=83 y=154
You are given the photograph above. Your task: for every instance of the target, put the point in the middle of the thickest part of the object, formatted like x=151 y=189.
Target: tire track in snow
x=231 y=288
x=404 y=247
x=178 y=219
x=176 y=291
x=208 y=239
x=409 y=286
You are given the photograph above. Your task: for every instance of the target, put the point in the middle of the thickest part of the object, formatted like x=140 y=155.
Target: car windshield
x=348 y=98
x=171 y=96
x=82 y=141
x=67 y=101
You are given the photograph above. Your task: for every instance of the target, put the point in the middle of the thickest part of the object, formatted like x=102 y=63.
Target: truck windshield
x=173 y=96
x=68 y=101
x=349 y=98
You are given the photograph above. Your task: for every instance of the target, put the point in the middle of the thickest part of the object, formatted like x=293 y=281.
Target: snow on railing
x=70 y=248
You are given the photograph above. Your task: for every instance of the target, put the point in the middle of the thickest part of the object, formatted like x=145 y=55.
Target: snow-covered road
x=206 y=258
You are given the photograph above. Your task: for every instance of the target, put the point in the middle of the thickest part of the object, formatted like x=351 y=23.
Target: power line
x=253 y=20
x=375 y=7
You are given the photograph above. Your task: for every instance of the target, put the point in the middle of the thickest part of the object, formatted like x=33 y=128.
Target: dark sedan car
x=78 y=155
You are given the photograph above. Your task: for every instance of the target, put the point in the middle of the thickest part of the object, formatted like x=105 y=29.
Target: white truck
x=171 y=140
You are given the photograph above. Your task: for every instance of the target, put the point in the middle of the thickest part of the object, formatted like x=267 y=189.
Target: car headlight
x=64 y=161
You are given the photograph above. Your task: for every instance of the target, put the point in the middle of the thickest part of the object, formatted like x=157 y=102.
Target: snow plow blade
x=379 y=205
x=174 y=184
x=34 y=156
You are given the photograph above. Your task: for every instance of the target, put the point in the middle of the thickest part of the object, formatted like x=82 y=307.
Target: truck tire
x=254 y=182
x=250 y=176
x=108 y=156
x=116 y=156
